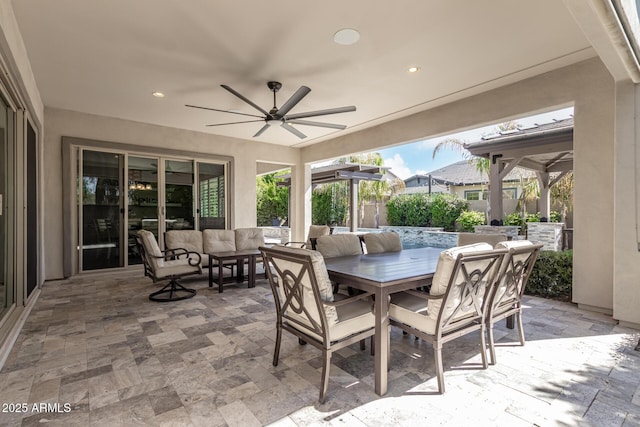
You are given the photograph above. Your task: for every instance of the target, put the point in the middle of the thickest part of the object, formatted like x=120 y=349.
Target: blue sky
x=416 y=158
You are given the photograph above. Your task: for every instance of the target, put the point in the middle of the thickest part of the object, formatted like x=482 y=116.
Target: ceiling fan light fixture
x=346 y=36
x=274 y=122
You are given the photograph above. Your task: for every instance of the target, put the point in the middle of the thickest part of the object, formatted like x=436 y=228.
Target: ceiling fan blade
x=294 y=131
x=319 y=124
x=235 y=123
x=261 y=131
x=291 y=102
x=321 y=112
x=222 y=111
x=245 y=99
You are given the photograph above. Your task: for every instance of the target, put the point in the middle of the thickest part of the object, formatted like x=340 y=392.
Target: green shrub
x=513 y=218
x=424 y=210
x=552 y=275
x=409 y=210
x=469 y=219
x=445 y=210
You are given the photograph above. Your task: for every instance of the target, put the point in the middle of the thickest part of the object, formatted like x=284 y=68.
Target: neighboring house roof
x=464 y=173
x=435 y=188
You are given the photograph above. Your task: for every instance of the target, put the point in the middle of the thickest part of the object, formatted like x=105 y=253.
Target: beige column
x=353 y=204
x=300 y=202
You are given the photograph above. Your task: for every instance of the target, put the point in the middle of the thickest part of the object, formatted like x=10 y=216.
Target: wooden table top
x=387 y=268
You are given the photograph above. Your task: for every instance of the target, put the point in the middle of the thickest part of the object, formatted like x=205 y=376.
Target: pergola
x=546 y=149
x=352 y=172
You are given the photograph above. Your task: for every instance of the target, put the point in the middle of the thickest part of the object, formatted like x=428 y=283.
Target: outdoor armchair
x=455 y=306
x=336 y=245
x=506 y=297
x=306 y=308
x=170 y=264
x=471 y=238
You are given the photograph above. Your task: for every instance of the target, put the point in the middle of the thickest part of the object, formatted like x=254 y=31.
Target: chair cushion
x=469 y=238
x=513 y=244
x=502 y=287
x=337 y=245
x=316 y=231
x=444 y=270
x=382 y=242
x=150 y=245
x=410 y=310
x=218 y=241
x=249 y=238
x=176 y=268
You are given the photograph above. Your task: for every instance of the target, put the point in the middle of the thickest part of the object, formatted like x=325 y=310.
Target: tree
x=562 y=194
x=272 y=200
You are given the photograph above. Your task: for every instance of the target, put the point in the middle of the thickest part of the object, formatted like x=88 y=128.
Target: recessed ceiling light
x=346 y=36
x=158 y=94
x=413 y=69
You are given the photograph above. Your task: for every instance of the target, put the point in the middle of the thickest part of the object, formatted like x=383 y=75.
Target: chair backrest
x=388 y=241
x=191 y=240
x=513 y=276
x=316 y=231
x=336 y=245
x=218 y=241
x=249 y=238
x=148 y=245
x=464 y=275
x=300 y=282
x=470 y=238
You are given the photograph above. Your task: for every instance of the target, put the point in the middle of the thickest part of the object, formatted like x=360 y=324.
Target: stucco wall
x=590 y=88
x=61 y=123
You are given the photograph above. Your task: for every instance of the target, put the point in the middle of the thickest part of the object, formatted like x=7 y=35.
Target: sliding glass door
x=211 y=201
x=142 y=211
x=101 y=210
x=178 y=195
x=123 y=193
x=7 y=197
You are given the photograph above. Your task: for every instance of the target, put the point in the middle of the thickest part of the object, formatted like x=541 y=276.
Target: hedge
x=552 y=275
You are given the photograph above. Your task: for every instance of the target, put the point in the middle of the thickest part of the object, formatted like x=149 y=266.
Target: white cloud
x=398 y=166
x=421 y=172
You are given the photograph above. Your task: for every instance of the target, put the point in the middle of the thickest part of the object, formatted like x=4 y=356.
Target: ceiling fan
x=278 y=116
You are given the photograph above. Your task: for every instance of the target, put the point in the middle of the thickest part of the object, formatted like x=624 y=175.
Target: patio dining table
x=384 y=274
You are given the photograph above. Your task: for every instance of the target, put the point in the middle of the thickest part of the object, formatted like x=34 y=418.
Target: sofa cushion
x=190 y=240
x=249 y=238
x=151 y=247
x=218 y=241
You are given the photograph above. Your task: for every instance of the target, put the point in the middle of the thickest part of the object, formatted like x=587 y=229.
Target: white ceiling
x=107 y=57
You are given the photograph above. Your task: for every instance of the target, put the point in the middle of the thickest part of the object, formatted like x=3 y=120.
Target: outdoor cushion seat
x=305 y=305
x=455 y=305
x=336 y=245
x=470 y=238
x=388 y=241
x=191 y=240
x=249 y=238
x=169 y=264
x=505 y=301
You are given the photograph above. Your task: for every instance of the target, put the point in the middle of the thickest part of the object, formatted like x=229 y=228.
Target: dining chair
x=305 y=306
x=387 y=241
x=506 y=296
x=470 y=238
x=170 y=264
x=336 y=245
x=315 y=231
x=455 y=305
